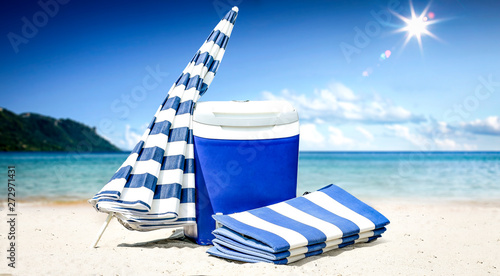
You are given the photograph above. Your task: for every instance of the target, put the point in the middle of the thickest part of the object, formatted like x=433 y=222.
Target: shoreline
x=375 y=200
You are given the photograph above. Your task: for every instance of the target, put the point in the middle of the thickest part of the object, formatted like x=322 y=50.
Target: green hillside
x=35 y=132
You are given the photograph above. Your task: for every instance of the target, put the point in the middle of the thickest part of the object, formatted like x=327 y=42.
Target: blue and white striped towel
x=297 y=228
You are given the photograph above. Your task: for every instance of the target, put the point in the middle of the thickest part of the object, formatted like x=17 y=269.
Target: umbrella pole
x=101 y=231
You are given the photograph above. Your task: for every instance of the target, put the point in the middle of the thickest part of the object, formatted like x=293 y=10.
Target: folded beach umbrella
x=297 y=228
x=154 y=187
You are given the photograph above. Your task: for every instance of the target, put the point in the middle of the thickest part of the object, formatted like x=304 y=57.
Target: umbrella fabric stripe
x=130 y=194
x=122 y=172
x=146 y=167
x=185 y=108
x=171 y=177
x=130 y=161
x=188 y=195
x=115 y=185
x=164 y=206
x=166 y=115
x=163 y=159
x=218 y=38
x=110 y=203
x=231 y=16
x=154 y=153
x=177 y=148
x=189 y=166
x=178 y=134
x=215 y=65
x=172 y=162
x=186 y=210
x=110 y=193
x=182 y=120
x=199 y=66
x=156 y=141
x=168 y=191
x=188 y=180
x=118 y=180
x=140 y=180
x=162 y=127
x=203 y=57
x=157 y=221
x=178 y=222
x=171 y=102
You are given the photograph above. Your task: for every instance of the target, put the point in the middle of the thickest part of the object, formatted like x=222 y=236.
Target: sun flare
x=416 y=26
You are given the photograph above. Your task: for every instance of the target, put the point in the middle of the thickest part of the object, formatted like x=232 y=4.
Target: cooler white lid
x=245 y=113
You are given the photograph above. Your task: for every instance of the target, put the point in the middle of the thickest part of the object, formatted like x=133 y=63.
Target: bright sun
x=416 y=26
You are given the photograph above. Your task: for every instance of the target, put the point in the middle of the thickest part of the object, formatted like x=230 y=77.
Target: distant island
x=35 y=132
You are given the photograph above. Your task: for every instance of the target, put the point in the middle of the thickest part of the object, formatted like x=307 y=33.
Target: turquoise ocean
x=378 y=175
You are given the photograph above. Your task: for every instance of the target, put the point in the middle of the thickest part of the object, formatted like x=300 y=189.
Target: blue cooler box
x=246 y=157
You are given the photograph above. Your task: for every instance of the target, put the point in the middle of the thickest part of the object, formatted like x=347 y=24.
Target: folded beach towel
x=294 y=229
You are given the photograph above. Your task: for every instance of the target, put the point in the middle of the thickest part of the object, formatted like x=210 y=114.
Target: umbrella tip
x=235 y=9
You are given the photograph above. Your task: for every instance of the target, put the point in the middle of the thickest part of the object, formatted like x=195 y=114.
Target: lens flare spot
x=431 y=15
x=367 y=72
x=387 y=53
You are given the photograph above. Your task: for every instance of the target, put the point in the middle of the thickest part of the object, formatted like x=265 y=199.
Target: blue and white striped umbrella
x=154 y=188
x=305 y=226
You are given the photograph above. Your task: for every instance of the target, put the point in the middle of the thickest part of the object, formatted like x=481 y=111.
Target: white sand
x=422 y=239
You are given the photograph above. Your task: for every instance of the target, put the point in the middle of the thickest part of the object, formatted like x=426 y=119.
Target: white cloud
x=310 y=134
x=443 y=127
x=337 y=138
x=404 y=132
x=469 y=147
x=439 y=141
x=342 y=92
x=365 y=132
x=488 y=126
x=446 y=144
x=339 y=103
x=131 y=137
x=319 y=121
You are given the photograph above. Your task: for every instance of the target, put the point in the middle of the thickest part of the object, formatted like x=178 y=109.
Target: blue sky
x=83 y=60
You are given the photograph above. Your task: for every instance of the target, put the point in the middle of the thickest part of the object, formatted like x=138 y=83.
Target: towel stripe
x=297 y=228
x=330 y=204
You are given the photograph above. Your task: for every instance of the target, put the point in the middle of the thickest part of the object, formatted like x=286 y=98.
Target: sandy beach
x=432 y=238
